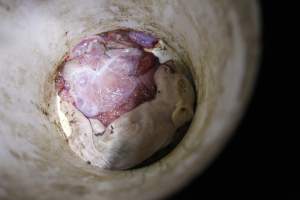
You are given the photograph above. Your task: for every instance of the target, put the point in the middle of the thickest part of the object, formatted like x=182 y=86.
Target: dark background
x=260 y=159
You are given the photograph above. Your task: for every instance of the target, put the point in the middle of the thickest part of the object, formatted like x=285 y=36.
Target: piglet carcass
x=123 y=104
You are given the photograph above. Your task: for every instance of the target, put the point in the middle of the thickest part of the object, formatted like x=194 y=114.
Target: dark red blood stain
x=147 y=61
x=122 y=77
x=59 y=83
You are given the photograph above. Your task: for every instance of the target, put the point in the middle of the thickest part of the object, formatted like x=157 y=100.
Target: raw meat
x=109 y=74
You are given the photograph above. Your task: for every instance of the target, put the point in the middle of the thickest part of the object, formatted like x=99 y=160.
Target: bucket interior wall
x=218 y=40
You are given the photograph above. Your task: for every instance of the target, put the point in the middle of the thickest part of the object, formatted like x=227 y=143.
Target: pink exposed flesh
x=108 y=75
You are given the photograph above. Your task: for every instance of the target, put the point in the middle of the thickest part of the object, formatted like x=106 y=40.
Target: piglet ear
x=143 y=39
